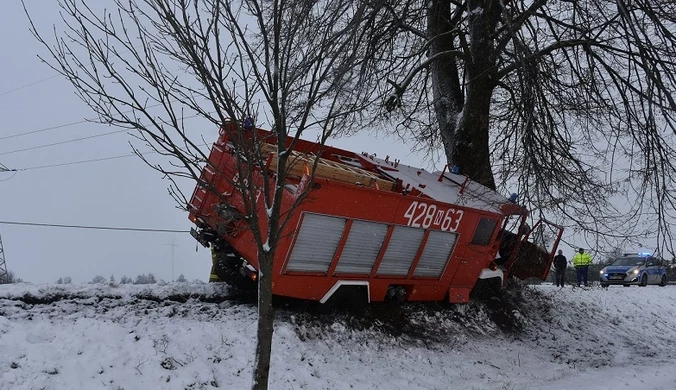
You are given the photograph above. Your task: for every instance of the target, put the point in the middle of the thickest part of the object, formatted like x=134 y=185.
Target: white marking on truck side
x=347 y=283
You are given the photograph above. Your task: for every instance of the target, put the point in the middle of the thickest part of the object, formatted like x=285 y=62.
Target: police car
x=640 y=269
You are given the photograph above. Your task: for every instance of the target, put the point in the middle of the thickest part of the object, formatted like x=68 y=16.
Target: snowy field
x=191 y=336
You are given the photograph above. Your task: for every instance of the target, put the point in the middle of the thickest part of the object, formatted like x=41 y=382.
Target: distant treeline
x=140 y=279
x=10 y=278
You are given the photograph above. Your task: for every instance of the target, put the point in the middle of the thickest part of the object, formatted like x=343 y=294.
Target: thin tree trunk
x=266 y=317
x=266 y=312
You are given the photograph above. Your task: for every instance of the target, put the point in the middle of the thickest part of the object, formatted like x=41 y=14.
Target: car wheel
x=604 y=285
x=663 y=282
x=627 y=285
x=644 y=281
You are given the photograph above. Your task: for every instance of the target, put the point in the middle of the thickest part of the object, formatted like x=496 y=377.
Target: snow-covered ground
x=190 y=336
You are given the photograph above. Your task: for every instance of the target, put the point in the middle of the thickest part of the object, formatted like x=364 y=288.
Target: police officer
x=581 y=262
x=560 y=263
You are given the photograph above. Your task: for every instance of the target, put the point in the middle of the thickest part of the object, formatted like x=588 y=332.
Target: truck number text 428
x=420 y=214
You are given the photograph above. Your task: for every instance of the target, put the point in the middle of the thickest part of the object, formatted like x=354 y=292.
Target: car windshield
x=629 y=261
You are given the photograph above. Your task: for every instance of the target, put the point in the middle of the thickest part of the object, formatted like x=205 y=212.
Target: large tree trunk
x=446 y=89
x=266 y=317
x=464 y=120
x=471 y=151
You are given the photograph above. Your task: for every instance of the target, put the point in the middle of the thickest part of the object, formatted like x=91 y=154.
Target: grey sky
x=122 y=192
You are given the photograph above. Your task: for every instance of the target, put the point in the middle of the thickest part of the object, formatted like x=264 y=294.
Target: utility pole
x=173 y=247
x=4 y=276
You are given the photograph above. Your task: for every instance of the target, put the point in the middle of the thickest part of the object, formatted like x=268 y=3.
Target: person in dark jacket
x=560 y=263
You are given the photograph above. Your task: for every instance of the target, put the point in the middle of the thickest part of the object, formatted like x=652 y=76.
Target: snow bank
x=143 y=337
x=42 y=293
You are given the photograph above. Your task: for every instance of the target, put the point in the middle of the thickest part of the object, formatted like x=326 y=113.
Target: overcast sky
x=121 y=192
x=118 y=192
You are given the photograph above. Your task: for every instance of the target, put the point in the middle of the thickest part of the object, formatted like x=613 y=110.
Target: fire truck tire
x=228 y=271
x=486 y=288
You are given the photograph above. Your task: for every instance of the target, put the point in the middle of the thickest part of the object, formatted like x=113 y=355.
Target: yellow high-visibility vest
x=581 y=259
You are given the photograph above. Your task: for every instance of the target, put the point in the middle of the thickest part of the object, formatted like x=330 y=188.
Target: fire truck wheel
x=486 y=288
x=230 y=274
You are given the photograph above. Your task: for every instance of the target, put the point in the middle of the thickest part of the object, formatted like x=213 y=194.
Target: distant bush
x=145 y=279
x=98 y=279
x=10 y=278
x=181 y=279
x=65 y=280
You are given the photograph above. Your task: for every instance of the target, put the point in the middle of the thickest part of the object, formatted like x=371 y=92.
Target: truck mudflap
x=535 y=251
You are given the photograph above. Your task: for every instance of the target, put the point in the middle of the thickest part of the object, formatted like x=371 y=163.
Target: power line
x=84 y=161
x=63 y=142
x=80 y=162
x=129 y=229
x=77 y=123
x=28 y=85
x=9 y=178
x=74 y=162
x=45 y=129
x=5 y=169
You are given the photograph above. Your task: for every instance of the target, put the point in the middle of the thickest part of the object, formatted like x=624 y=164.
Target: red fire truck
x=376 y=225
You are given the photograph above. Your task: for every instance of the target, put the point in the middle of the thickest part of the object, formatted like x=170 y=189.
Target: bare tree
x=569 y=101
x=10 y=278
x=292 y=66
x=98 y=279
